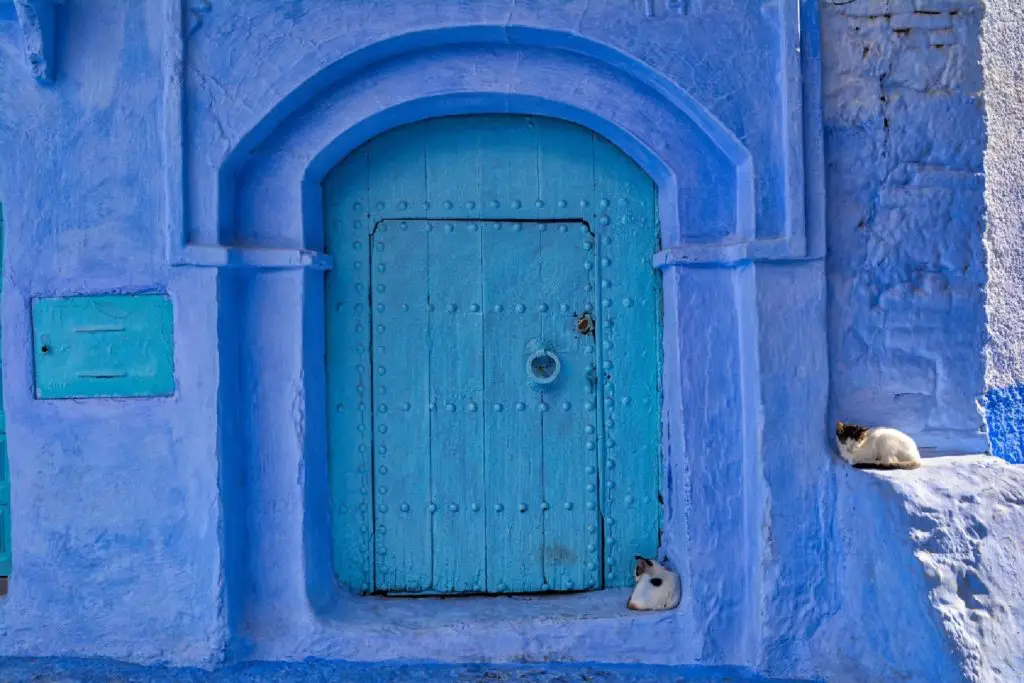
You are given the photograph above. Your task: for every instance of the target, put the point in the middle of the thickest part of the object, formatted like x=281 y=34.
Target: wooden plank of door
x=572 y=546
x=456 y=385
x=401 y=395
x=453 y=177
x=630 y=337
x=397 y=186
x=350 y=426
x=572 y=538
x=512 y=267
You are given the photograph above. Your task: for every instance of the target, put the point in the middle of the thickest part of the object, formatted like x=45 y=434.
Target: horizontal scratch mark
x=93 y=329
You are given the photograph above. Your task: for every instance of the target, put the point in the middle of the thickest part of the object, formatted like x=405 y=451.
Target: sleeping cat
x=657 y=588
x=877 y=448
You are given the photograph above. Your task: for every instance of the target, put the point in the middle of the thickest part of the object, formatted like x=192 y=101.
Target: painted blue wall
x=116 y=514
x=904 y=139
x=1004 y=414
x=182 y=152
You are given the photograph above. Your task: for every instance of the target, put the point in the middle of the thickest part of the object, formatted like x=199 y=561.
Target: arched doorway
x=493 y=359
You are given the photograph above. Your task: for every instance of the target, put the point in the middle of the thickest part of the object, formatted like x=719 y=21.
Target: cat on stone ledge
x=657 y=587
x=876 y=448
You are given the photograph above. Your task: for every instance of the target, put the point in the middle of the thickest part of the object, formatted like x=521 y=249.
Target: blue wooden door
x=493 y=359
x=486 y=406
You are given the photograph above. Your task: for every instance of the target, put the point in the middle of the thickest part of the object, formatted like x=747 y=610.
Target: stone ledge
x=933 y=561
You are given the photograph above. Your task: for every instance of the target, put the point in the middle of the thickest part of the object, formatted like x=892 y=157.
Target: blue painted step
x=97 y=671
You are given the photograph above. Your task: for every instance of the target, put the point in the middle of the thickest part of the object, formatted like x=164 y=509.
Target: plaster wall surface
x=175 y=530
x=321 y=92
x=1003 y=50
x=904 y=140
x=90 y=199
x=116 y=513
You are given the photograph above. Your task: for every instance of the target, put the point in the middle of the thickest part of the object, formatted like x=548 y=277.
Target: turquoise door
x=486 y=463
x=5 y=482
x=493 y=355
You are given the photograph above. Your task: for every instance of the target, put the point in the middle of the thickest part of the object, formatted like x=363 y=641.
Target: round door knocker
x=543 y=366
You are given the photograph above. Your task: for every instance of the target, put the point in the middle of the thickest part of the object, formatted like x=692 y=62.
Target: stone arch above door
x=416 y=76
x=254 y=201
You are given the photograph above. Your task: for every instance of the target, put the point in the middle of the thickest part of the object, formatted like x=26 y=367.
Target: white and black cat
x=876 y=448
x=657 y=587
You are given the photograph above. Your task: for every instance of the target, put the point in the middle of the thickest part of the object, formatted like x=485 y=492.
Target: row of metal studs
x=403 y=205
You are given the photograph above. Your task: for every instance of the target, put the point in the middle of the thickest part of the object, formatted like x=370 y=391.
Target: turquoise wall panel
x=463 y=247
x=5 y=511
x=6 y=559
x=103 y=346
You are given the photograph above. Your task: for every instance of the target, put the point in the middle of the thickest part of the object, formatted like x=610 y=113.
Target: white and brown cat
x=876 y=448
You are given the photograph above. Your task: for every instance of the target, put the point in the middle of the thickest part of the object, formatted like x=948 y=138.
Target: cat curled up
x=876 y=448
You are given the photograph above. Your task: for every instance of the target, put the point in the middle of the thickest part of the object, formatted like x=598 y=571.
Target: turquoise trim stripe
x=5 y=470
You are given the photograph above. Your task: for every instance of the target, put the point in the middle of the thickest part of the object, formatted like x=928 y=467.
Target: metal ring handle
x=543 y=366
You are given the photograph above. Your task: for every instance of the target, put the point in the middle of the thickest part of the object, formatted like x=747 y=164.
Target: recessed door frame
x=589 y=181
x=712 y=383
